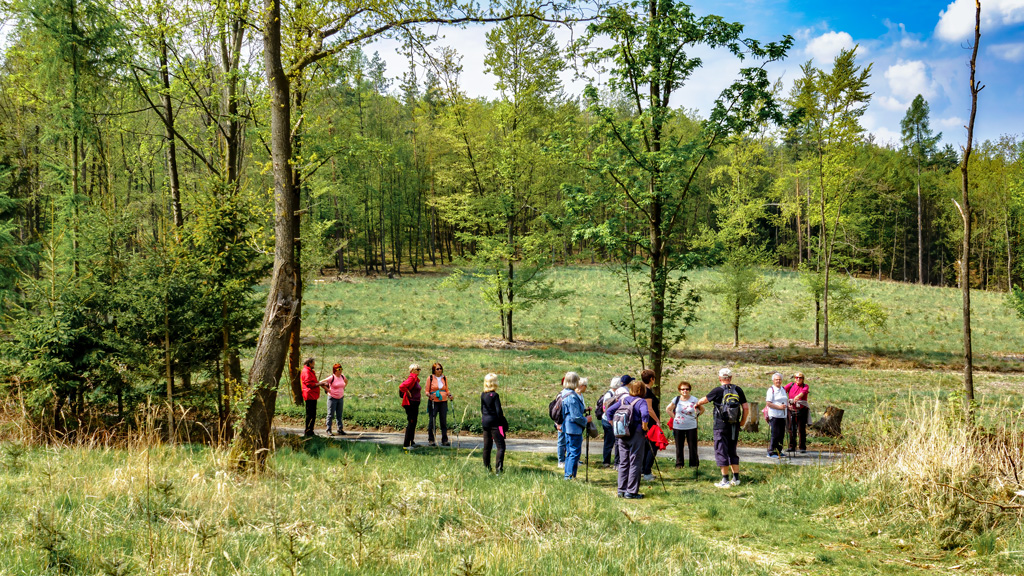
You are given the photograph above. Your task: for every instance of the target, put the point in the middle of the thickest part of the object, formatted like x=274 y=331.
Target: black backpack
x=730 y=410
x=555 y=409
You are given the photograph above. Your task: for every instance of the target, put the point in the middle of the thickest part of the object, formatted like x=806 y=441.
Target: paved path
x=547 y=446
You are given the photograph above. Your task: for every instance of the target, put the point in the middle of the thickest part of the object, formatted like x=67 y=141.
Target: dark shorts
x=725 y=447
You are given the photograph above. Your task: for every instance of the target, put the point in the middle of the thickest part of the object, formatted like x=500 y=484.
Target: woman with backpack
x=609 y=436
x=438 y=396
x=310 y=394
x=409 y=390
x=798 y=412
x=628 y=415
x=683 y=411
x=493 y=422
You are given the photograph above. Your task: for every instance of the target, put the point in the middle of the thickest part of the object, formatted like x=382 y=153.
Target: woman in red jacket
x=410 y=390
x=310 y=393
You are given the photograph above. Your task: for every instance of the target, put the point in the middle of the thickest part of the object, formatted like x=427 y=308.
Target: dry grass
x=937 y=473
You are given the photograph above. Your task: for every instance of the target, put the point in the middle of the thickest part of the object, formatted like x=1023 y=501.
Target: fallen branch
x=1003 y=507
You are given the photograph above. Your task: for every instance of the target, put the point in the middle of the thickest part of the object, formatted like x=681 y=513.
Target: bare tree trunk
x=965 y=211
x=168 y=118
x=253 y=443
x=920 y=228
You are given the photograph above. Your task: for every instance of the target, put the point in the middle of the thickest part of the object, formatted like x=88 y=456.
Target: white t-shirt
x=776 y=396
x=685 y=417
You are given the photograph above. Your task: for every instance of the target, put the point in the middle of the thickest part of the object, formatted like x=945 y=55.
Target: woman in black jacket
x=493 y=422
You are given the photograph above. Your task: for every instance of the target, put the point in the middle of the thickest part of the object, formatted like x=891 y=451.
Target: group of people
x=628 y=412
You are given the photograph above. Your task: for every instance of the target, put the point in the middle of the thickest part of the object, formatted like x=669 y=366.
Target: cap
x=626 y=379
x=725 y=373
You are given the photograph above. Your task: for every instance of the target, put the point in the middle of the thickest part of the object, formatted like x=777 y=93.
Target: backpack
x=599 y=409
x=555 y=409
x=623 y=418
x=730 y=410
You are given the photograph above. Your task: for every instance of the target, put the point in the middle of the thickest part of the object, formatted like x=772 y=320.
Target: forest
x=172 y=174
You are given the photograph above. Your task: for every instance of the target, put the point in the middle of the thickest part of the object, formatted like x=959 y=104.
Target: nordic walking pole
x=586 y=472
x=660 y=477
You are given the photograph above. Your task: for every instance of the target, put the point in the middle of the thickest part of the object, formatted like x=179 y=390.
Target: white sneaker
x=561 y=465
x=734 y=482
x=723 y=483
x=648 y=477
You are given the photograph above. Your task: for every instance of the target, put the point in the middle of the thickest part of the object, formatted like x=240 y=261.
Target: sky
x=914 y=47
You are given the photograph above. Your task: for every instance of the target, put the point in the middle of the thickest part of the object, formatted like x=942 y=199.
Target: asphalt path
x=547 y=446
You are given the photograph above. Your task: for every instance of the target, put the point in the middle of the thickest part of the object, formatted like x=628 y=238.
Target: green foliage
x=741 y=287
x=1015 y=300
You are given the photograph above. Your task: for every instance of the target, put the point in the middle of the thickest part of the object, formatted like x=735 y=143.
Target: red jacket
x=657 y=437
x=310 y=384
x=410 y=389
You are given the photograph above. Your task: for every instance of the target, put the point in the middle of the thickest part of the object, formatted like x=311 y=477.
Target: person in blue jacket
x=574 y=423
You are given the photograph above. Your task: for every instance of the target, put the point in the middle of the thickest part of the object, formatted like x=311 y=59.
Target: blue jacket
x=573 y=420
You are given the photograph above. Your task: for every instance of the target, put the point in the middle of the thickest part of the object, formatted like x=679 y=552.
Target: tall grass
x=938 y=473
x=326 y=508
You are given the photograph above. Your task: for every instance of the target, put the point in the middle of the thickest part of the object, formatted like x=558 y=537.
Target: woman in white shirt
x=777 y=400
x=683 y=411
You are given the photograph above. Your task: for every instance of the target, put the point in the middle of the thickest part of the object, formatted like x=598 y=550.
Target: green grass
x=329 y=507
x=924 y=322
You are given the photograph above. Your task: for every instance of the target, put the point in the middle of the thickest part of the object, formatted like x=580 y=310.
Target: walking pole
x=586 y=472
x=660 y=477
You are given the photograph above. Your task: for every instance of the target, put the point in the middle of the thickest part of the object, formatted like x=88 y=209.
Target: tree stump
x=754 y=420
x=830 y=424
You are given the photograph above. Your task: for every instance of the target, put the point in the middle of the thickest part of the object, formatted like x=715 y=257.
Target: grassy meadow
x=927 y=490
x=333 y=507
x=924 y=322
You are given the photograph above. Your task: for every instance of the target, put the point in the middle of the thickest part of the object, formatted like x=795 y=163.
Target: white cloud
x=826 y=47
x=952 y=122
x=892 y=104
x=1011 y=52
x=956 y=22
x=884 y=136
x=907 y=79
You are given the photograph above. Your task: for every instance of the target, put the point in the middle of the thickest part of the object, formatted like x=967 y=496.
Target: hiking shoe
x=776 y=456
x=432 y=444
x=734 y=482
x=605 y=465
x=634 y=496
x=561 y=465
x=723 y=483
x=342 y=433
x=648 y=477
x=446 y=443
x=622 y=494
x=410 y=448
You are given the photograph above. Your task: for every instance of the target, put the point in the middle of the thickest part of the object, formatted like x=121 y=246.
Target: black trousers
x=412 y=414
x=310 y=417
x=686 y=437
x=492 y=437
x=798 y=427
x=609 y=443
x=778 y=433
x=650 y=453
x=435 y=409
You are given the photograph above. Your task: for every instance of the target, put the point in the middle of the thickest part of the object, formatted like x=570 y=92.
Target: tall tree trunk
x=920 y=228
x=965 y=211
x=168 y=118
x=272 y=344
x=295 y=339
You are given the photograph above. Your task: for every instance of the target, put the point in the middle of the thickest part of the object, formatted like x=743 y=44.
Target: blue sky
x=915 y=47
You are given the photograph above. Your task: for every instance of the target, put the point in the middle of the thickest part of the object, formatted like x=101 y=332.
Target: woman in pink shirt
x=335 y=384
x=798 y=412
